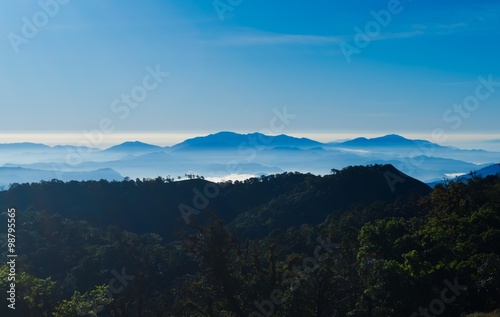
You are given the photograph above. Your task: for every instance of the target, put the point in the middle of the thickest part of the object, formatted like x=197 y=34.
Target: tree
x=88 y=304
x=34 y=295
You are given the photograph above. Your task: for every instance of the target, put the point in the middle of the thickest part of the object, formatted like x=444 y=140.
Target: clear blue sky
x=230 y=74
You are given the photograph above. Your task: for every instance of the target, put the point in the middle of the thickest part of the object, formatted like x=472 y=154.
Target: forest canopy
x=291 y=244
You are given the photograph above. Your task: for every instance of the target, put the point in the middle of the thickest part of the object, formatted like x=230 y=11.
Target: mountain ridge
x=132 y=146
x=227 y=139
x=11 y=175
x=229 y=153
x=162 y=212
x=387 y=140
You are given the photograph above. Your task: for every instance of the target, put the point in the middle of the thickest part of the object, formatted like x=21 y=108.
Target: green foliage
x=328 y=246
x=34 y=296
x=88 y=304
x=496 y=313
x=255 y=206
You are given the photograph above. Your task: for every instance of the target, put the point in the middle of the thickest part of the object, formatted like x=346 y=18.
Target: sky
x=164 y=70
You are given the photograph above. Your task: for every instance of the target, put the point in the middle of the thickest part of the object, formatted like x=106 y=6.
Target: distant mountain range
x=224 y=154
x=135 y=147
x=10 y=175
x=225 y=140
x=483 y=172
x=391 y=140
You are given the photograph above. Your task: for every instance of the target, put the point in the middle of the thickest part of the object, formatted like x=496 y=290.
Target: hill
x=372 y=250
x=312 y=199
x=163 y=207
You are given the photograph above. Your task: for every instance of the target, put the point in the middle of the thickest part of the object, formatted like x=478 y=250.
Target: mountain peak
x=132 y=146
x=23 y=145
x=393 y=137
x=227 y=139
x=383 y=141
x=134 y=143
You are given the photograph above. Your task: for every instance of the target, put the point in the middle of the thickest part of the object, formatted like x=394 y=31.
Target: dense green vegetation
x=353 y=243
x=154 y=205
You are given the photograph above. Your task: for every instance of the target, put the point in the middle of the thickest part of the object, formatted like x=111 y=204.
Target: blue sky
x=233 y=73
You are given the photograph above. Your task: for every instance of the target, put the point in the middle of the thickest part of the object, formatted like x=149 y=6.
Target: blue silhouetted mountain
x=11 y=175
x=25 y=146
x=229 y=140
x=220 y=154
x=135 y=147
x=390 y=140
x=491 y=170
x=426 y=167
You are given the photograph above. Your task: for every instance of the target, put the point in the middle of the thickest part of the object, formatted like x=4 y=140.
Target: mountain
x=390 y=140
x=74 y=148
x=398 y=146
x=426 y=167
x=490 y=170
x=231 y=140
x=10 y=175
x=312 y=199
x=349 y=242
x=135 y=147
x=28 y=147
x=220 y=154
x=23 y=147
x=270 y=202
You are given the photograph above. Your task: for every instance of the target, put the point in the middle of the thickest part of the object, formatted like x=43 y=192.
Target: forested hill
x=254 y=207
x=381 y=253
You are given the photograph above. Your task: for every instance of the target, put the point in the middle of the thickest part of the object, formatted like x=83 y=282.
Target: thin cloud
x=330 y=43
x=424 y=30
x=398 y=35
x=451 y=26
x=449 y=29
x=277 y=39
x=262 y=39
x=246 y=37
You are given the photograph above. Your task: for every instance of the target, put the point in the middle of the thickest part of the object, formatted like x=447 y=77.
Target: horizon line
x=172 y=138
